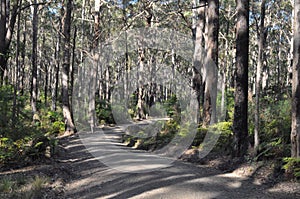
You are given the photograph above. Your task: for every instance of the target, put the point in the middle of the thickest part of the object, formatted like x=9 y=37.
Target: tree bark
x=23 y=55
x=56 y=72
x=140 y=111
x=261 y=43
x=7 y=22
x=211 y=63
x=34 y=86
x=17 y=74
x=240 y=123
x=199 y=16
x=295 y=128
x=66 y=21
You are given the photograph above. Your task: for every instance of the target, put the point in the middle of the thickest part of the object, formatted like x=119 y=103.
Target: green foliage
x=172 y=128
x=275 y=127
x=19 y=135
x=53 y=121
x=226 y=136
x=292 y=167
x=172 y=108
x=229 y=104
x=224 y=143
x=104 y=112
x=272 y=149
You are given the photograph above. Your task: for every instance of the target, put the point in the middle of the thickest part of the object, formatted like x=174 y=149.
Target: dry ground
x=75 y=173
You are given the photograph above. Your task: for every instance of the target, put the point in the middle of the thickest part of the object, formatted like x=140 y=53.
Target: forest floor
x=75 y=173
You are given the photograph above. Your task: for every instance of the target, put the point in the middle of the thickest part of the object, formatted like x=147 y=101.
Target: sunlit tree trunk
x=55 y=81
x=66 y=47
x=295 y=133
x=94 y=68
x=211 y=74
x=199 y=17
x=240 y=123
x=261 y=43
x=140 y=111
x=226 y=65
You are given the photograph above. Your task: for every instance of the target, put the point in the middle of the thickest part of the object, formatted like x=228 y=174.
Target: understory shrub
x=292 y=167
x=22 y=134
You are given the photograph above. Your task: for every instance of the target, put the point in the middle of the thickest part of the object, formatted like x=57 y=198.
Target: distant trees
x=42 y=54
x=240 y=121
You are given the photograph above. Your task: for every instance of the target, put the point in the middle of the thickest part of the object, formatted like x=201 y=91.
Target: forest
x=197 y=80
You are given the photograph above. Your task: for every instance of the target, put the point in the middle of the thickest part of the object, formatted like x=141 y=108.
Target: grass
x=23 y=187
x=6 y=185
x=39 y=182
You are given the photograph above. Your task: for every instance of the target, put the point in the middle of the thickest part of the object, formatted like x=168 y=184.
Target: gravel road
x=90 y=178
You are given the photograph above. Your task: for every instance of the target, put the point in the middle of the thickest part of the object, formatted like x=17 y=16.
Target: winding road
x=145 y=175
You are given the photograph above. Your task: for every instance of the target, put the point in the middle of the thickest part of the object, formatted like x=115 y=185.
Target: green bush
x=292 y=167
x=104 y=112
x=20 y=136
x=224 y=143
x=275 y=127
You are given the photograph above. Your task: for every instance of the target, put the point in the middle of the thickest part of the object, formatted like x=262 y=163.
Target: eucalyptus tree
x=66 y=47
x=295 y=132
x=8 y=17
x=261 y=44
x=211 y=63
x=240 y=122
x=34 y=70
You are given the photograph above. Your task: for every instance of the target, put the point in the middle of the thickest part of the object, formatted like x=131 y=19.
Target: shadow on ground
x=93 y=179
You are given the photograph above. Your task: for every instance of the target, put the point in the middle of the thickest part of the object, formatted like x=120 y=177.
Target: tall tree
x=94 y=70
x=8 y=18
x=56 y=69
x=210 y=69
x=66 y=47
x=34 y=82
x=295 y=133
x=199 y=25
x=240 y=123
x=260 y=61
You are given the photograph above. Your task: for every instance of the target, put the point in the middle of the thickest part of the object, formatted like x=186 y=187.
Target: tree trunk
x=8 y=18
x=73 y=69
x=140 y=111
x=240 y=123
x=210 y=69
x=66 y=21
x=295 y=132
x=94 y=69
x=3 y=49
x=34 y=86
x=56 y=72
x=23 y=55
x=261 y=43
x=226 y=66
x=198 y=53
x=46 y=80
x=17 y=74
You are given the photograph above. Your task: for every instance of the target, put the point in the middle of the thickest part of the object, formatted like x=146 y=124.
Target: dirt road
x=90 y=178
